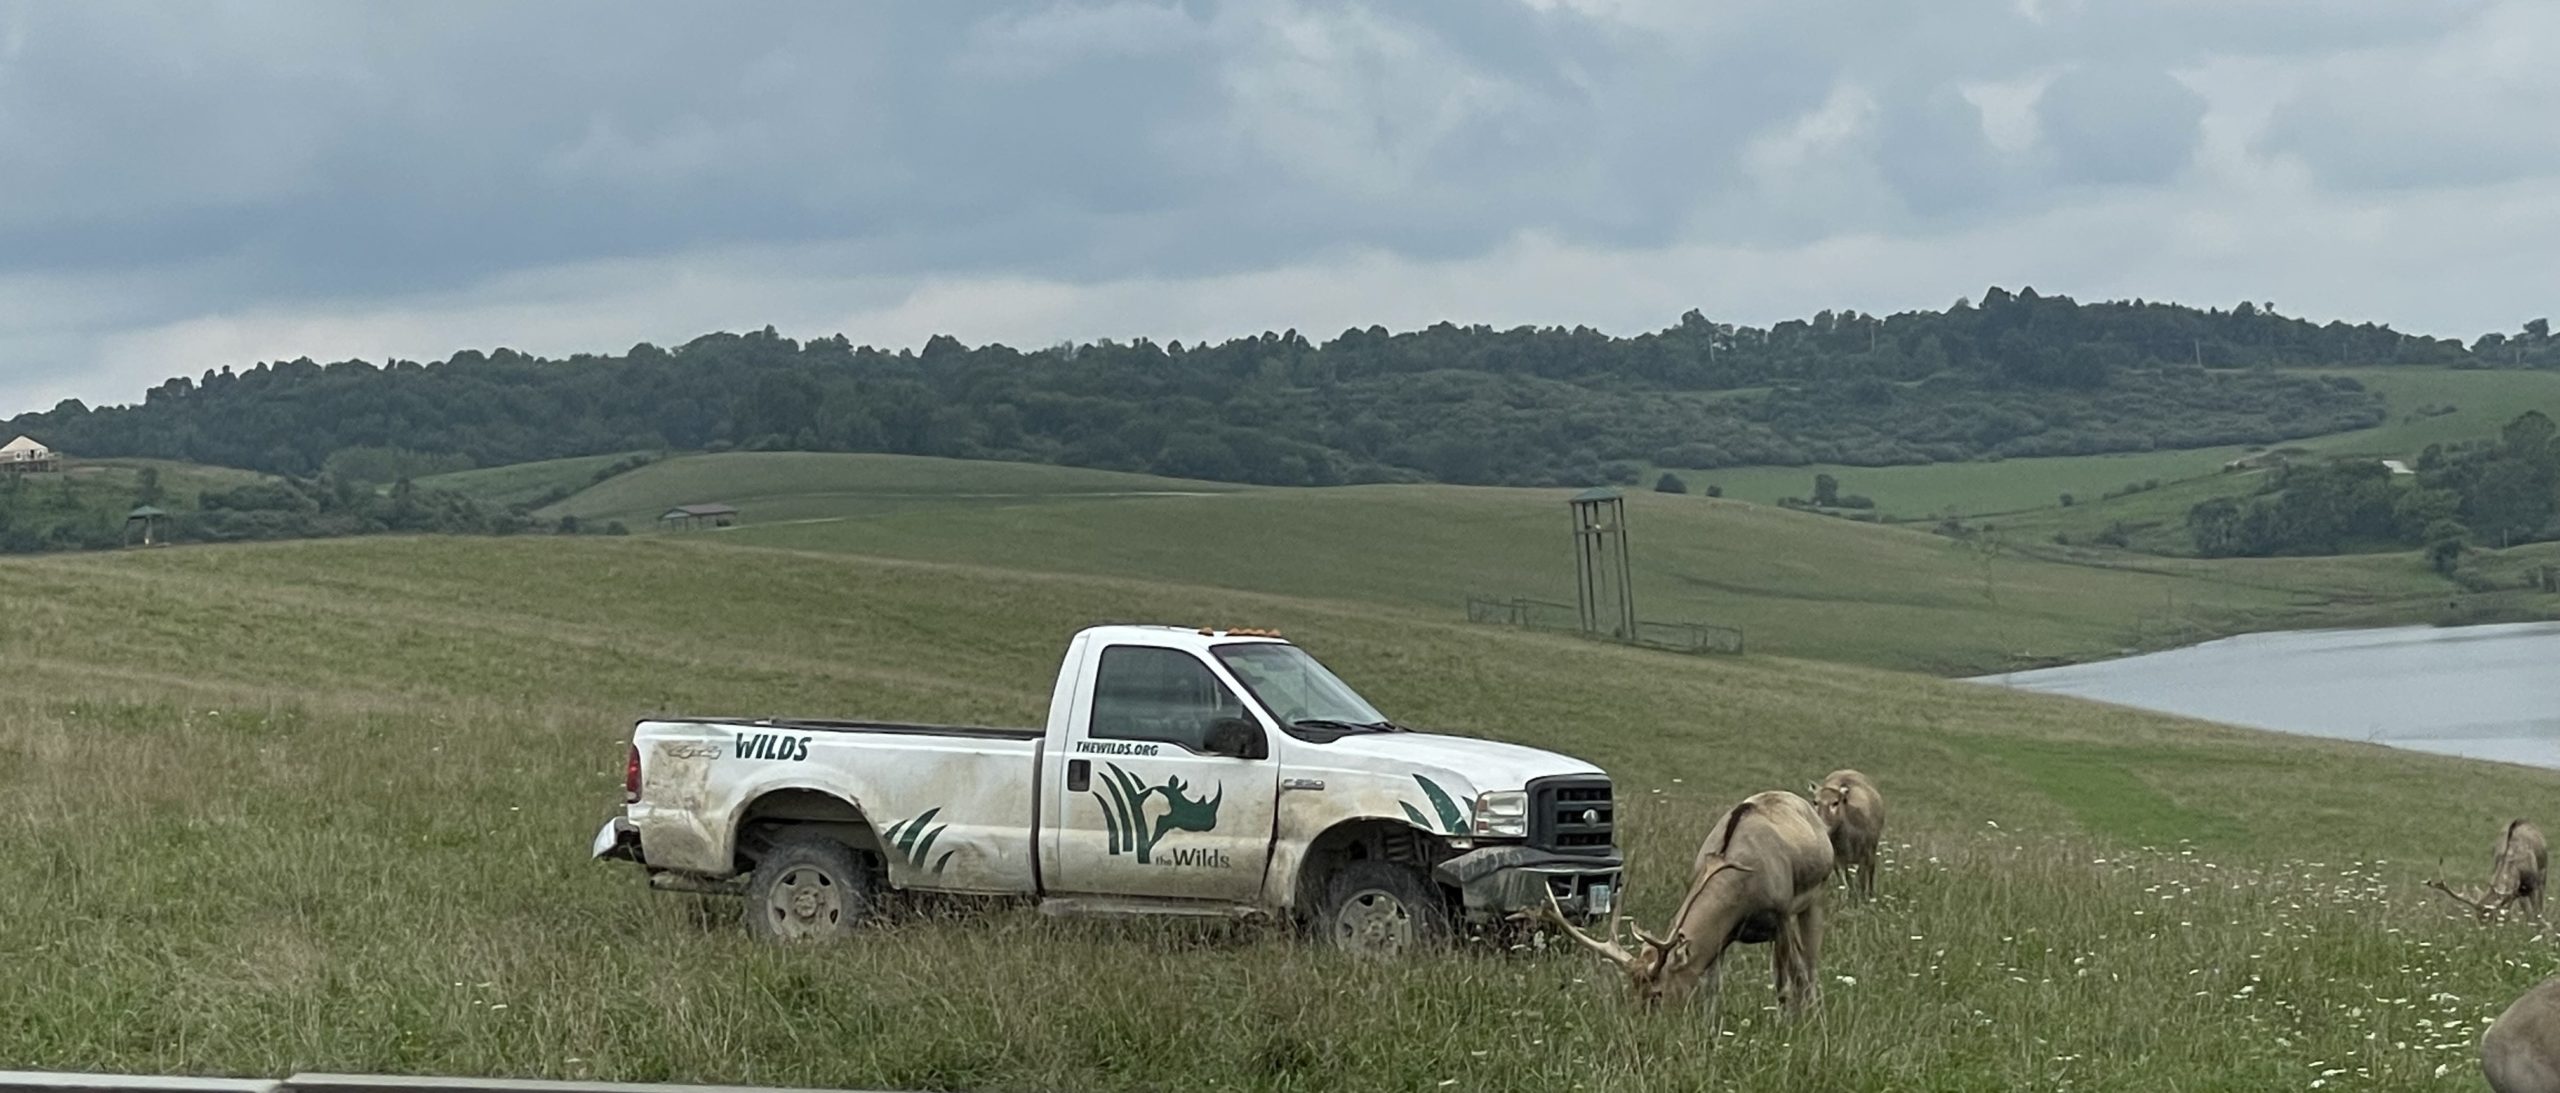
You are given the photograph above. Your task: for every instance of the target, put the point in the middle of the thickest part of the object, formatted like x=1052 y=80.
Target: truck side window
x=1144 y=693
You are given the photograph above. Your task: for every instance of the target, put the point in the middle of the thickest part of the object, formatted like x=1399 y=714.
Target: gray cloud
x=2112 y=125
x=246 y=175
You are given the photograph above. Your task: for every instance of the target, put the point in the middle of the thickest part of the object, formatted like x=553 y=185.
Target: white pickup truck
x=1183 y=771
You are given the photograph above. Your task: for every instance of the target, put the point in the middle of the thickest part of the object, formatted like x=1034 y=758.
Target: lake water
x=2485 y=692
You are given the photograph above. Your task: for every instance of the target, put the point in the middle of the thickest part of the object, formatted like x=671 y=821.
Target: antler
x=1554 y=913
x=2478 y=907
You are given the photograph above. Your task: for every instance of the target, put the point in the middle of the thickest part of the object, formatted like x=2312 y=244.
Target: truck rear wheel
x=1382 y=909
x=808 y=888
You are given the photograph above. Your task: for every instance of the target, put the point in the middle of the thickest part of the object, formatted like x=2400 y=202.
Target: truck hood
x=1489 y=764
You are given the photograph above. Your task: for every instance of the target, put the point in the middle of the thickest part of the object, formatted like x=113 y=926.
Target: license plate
x=1600 y=897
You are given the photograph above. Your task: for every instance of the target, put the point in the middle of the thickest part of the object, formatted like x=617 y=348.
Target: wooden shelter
x=148 y=519
x=691 y=516
x=26 y=455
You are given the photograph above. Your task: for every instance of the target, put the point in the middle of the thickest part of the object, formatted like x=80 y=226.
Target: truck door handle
x=1079 y=775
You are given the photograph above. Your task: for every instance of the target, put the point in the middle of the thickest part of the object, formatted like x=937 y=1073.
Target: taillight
x=631 y=776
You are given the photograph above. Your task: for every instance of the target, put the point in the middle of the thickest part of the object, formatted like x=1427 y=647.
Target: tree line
x=2016 y=374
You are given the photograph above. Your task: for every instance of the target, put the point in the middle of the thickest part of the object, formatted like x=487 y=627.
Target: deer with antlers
x=1760 y=877
x=2515 y=873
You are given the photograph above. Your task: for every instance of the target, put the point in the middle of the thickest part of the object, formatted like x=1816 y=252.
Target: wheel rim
x=806 y=902
x=1373 y=920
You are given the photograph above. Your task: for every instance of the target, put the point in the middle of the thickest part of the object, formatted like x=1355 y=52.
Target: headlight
x=1503 y=814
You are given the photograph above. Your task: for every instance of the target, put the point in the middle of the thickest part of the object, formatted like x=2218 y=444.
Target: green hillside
x=1933 y=489
x=324 y=806
x=1797 y=584
x=2425 y=406
x=771 y=487
x=87 y=501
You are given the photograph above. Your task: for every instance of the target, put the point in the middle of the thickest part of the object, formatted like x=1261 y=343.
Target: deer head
x=1829 y=801
x=2484 y=910
x=1643 y=966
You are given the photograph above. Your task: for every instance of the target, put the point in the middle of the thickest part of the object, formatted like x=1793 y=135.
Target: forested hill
x=2015 y=375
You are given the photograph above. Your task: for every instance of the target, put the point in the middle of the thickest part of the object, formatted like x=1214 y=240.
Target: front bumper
x=617 y=839
x=1500 y=881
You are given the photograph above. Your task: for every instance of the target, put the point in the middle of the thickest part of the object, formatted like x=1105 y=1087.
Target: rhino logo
x=1124 y=798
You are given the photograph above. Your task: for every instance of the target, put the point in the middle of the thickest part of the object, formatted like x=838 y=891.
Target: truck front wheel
x=1378 y=908
x=808 y=888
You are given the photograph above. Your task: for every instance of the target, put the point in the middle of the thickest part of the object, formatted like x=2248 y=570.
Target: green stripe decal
x=1442 y=804
x=907 y=843
x=926 y=847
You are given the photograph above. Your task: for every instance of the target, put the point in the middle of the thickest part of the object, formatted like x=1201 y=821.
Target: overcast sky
x=188 y=185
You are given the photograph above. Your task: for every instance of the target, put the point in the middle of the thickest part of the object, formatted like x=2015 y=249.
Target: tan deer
x=1853 y=811
x=2516 y=872
x=2520 y=1053
x=1760 y=877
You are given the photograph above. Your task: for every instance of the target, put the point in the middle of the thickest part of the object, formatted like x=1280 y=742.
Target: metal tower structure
x=1602 y=577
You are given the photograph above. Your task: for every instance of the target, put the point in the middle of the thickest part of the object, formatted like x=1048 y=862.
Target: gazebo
x=149 y=518
x=686 y=516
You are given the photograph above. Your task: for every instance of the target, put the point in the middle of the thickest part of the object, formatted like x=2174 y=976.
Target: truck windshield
x=1311 y=702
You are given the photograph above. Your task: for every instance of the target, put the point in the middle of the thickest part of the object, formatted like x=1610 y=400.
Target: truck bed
x=815 y=724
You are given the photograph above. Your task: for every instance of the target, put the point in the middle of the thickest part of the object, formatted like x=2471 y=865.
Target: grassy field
x=2418 y=401
x=2480 y=402
x=770 y=487
x=1934 y=489
x=1796 y=584
x=324 y=806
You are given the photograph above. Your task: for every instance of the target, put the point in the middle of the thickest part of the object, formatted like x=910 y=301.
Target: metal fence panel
x=1678 y=637
x=370 y=1083
x=41 y=1081
x=35 y=1081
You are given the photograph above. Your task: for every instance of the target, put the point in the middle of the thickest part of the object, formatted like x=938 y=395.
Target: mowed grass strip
x=797 y=486
x=325 y=806
x=522 y=483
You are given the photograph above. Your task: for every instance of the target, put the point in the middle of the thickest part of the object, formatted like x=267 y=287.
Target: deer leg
x=1710 y=993
x=1809 y=951
x=1782 y=960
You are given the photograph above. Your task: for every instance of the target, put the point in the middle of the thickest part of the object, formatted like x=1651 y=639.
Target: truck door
x=1147 y=808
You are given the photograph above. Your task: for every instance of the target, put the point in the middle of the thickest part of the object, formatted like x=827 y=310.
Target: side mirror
x=1235 y=738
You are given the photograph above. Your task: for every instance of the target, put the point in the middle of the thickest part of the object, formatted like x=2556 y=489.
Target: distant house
x=2397 y=467
x=25 y=456
x=687 y=516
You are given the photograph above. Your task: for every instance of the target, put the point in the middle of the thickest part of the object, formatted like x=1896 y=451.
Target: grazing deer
x=2515 y=873
x=1760 y=878
x=1853 y=810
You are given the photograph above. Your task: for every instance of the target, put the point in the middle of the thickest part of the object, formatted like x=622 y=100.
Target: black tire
x=809 y=887
x=1381 y=909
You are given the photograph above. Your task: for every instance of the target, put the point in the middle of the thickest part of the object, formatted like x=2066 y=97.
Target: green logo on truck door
x=1131 y=831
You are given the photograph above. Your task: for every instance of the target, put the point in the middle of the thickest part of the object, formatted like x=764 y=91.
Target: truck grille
x=1572 y=814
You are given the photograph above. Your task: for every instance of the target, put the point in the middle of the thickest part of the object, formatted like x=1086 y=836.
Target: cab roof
x=1196 y=639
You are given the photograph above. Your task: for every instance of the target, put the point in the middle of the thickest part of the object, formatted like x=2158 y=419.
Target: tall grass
x=325 y=806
